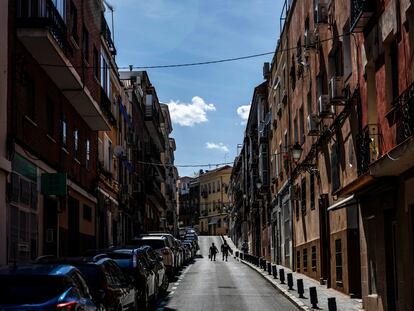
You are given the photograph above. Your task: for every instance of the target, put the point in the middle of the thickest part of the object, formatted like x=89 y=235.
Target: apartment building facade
x=341 y=156
x=214 y=201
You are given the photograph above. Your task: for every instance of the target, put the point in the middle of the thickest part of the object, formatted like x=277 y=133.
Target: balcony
x=152 y=122
x=106 y=106
x=368 y=147
x=403 y=112
x=43 y=32
x=361 y=13
x=106 y=34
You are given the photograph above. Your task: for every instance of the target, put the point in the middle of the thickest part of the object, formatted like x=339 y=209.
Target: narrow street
x=206 y=285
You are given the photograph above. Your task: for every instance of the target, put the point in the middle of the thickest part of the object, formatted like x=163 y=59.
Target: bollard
x=269 y=268
x=282 y=276
x=274 y=271
x=290 y=280
x=332 y=304
x=301 y=291
x=313 y=297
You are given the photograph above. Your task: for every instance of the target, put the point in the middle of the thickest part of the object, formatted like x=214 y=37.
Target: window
x=314 y=259
x=347 y=51
x=75 y=143
x=96 y=63
x=87 y=213
x=301 y=126
x=295 y=130
x=64 y=132
x=394 y=69
x=312 y=191
x=309 y=100
x=209 y=188
x=297 y=212
x=60 y=6
x=214 y=187
x=74 y=22
x=305 y=260
x=50 y=120
x=303 y=197
x=336 y=65
x=85 y=43
x=105 y=74
x=30 y=97
x=338 y=260
x=87 y=153
x=218 y=186
x=298 y=261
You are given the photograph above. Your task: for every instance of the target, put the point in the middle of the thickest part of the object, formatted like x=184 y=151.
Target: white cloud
x=190 y=114
x=219 y=146
x=243 y=112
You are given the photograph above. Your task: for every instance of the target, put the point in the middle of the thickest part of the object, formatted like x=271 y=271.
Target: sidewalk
x=343 y=302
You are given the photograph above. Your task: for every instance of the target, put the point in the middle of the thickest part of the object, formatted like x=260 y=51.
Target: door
x=391 y=258
x=50 y=218
x=73 y=227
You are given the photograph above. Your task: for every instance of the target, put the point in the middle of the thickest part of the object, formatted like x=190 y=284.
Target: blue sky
x=204 y=100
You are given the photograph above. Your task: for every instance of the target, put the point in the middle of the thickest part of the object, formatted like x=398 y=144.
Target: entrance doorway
x=50 y=226
x=391 y=232
x=73 y=227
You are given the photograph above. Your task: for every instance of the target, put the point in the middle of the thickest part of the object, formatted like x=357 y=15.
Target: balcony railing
x=403 y=114
x=106 y=106
x=368 y=144
x=361 y=13
x=106 y=34
x=43 y=14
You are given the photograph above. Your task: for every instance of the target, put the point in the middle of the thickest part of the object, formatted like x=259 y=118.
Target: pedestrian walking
x=225 y=250
x=213 y=252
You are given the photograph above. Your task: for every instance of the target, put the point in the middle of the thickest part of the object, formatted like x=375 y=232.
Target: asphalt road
x=218 y=285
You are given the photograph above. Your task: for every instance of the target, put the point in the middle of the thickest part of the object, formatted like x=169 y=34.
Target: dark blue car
x=44 y=287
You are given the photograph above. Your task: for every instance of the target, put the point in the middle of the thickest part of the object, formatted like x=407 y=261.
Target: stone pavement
x=343 y=302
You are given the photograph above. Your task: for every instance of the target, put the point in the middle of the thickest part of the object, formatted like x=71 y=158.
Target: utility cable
x=225 y=60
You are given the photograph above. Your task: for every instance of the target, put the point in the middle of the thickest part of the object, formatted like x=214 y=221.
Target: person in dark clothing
x=225 y=250
x=213 y=252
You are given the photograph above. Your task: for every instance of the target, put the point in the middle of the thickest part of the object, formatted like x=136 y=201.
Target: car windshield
x=23 y=289
x=154 y=243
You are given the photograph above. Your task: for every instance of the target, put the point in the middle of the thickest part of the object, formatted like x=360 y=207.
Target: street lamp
x=296 y=152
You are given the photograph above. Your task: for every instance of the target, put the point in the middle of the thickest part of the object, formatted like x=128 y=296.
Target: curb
x=296 y=301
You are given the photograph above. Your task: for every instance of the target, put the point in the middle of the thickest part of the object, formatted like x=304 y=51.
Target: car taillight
x=66 y=306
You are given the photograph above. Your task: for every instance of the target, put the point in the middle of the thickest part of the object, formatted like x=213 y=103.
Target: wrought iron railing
x=106 y=106
x=404 y=114
x=364 y=152
x=107 y=35
x=43 y=14
x=361 y=12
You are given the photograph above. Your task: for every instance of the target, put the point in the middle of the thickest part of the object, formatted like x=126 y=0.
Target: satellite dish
x=118 y=151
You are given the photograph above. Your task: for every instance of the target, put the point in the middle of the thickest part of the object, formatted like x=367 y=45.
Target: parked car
x=44 y=287
x=134 y=262
x=109 y=286
x=171 y=244
x=160 y=244
x=156 y=260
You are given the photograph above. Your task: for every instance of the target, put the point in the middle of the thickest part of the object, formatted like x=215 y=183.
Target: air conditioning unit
x=309 y=40
x=336 y=86
x=313 y=124
x=325 y=109
x=293 y=193
x=321 y=13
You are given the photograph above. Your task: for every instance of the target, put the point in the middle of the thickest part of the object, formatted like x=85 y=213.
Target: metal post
x=313 y=297
x=290 y=280
x=332 y=304
x=274 y=271
x=269 y=268
x=282 y=276
x=301 y=291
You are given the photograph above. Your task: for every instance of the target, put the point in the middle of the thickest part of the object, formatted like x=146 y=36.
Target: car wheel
x=100 y=307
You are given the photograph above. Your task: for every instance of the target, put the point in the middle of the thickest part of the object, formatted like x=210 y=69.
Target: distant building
x=214 y=201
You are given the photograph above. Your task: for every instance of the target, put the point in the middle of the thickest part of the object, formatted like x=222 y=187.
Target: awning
x=214 y=221
x=343 y=203
x=108 y=196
